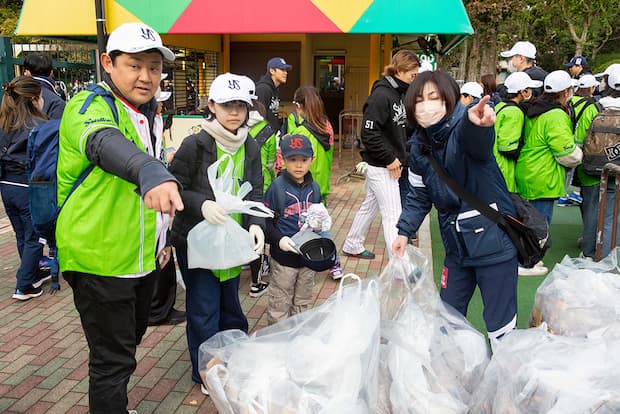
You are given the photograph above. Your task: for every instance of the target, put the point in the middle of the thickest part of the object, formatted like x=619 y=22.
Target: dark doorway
x=329 y=79
x=250 y=59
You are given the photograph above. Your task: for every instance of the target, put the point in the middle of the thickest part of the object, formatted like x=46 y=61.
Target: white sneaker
x=132 y=412
x=204 y=389
x=534 y=271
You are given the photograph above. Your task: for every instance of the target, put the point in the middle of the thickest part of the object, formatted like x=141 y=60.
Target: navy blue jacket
x=53 y=105
x=13 y=152
x=466 y=152
x=288 y=200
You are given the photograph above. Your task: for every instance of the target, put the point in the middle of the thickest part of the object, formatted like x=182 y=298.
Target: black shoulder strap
x=588 y=102
x=508 y=104
x=465 y=195
x=263 y=135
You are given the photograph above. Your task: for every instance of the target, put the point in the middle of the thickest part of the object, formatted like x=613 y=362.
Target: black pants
x=164 y=293
x=114 y=314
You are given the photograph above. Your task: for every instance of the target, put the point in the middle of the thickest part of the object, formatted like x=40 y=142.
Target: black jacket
x=268 y=95
x=384 y=124
x=53 y=105
x=189 y=166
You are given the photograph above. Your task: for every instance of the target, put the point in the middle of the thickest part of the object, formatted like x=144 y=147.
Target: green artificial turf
x=565 y=230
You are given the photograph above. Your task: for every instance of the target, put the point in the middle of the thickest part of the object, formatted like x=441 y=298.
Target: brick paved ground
x=43 y=352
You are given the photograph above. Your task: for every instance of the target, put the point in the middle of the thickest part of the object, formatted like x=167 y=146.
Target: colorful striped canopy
x=77 y=17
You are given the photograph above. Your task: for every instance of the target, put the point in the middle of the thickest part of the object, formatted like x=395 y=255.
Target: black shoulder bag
x=529 y=233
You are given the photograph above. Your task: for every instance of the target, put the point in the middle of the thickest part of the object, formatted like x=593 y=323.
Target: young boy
x=290 y=195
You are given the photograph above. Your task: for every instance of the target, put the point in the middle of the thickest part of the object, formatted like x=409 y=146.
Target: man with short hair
x=522 y=58
x=267 y=89
x=111 y=232
x=577 y=67
x=40 y=67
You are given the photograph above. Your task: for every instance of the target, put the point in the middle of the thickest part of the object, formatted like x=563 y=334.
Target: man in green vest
x=114 y=224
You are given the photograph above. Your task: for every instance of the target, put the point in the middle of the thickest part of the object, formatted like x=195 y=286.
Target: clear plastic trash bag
x=321 y=361
x=534 y=372
x=579 y=296
x=223 y=246
x=432 y=358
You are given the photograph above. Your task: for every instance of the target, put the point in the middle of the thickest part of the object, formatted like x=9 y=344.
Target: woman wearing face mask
x=549 y=146
x=20 y=112
x=478 y=252
x=212 y=296
x=384 y=136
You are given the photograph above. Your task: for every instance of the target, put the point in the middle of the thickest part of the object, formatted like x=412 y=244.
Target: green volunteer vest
x=238 y=160
x=267 y=154
x=508 y=128
x=104 y=229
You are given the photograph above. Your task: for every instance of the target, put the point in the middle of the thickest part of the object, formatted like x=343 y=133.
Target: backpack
x=42 y=158
x=602 y=142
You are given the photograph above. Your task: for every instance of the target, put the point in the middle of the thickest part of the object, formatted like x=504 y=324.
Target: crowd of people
x=140 y=200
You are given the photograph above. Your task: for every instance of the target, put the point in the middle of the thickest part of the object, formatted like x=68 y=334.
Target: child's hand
x=287 y=244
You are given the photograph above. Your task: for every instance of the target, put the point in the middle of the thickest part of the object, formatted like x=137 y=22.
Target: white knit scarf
x=226 y=139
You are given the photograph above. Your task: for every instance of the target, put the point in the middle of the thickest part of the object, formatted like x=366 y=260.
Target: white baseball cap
x=164 y=76
x=136 y=38
x=425 y=66
x=518 y=81
x=557 y=81
x=614 y=79
x=161 y=96
x=472 y=88
x=523 y=48
x=230 y=87
x=587 y=81
x=249 y=85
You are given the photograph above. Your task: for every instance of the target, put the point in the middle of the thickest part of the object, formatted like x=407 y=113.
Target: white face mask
x=511 y=67
x=526 y=97
x=428 y=113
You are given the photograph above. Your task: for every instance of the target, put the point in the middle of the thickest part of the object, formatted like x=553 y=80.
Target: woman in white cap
x=549 y=146
x=212 y=296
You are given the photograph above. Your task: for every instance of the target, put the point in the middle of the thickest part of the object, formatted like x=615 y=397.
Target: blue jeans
x=589 y=211
x=211 y=306
x=545 y=207
x=15 y=200
x=403 y=186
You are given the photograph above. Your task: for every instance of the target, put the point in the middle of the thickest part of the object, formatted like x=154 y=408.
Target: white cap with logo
x=136 y=38
x=230 y=87
x=588 y=81
x=472 y=88
x=557 y=81
x=523 y=48
x=518 y=81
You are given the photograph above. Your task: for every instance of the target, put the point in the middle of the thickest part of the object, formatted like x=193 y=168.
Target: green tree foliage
x=9 y=15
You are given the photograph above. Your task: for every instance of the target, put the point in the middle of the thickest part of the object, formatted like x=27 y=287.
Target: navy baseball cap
x=278 y=63
x=296 y=145
x=576 y=60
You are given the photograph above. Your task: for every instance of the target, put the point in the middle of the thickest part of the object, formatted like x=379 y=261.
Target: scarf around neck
x=226 y=139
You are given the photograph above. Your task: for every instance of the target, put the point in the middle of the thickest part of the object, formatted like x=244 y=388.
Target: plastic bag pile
x=223 y=246
x=431 y=358
x=572 y=364
x=579 y=296
x=378 y=345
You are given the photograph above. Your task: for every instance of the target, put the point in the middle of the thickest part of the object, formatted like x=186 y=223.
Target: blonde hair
x=402 y=61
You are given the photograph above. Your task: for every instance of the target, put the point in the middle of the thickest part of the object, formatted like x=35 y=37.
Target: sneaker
x=132 y=412
x=204 y=389
x=565 y=202
x=366 y=254
x=258 y=289
x=265 y=268
x=575 y=197
x=534 y=271
x=42 y=279
x=336 y=271
x=27 y=293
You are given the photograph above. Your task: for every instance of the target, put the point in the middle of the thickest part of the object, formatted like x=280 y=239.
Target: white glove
x=287 y=244
x=259 y=238
x=213 y=212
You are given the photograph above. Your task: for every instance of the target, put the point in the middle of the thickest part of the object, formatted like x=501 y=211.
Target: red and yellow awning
x=77 y=17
